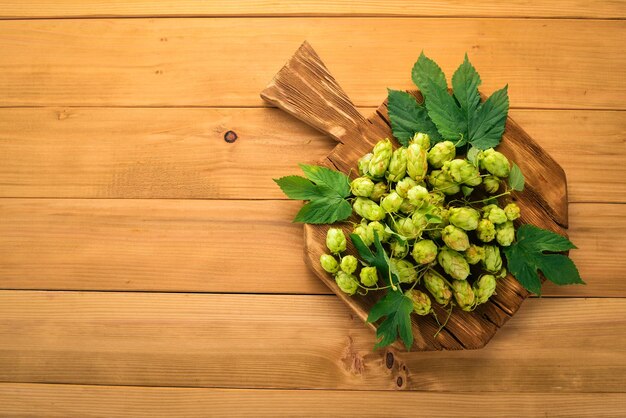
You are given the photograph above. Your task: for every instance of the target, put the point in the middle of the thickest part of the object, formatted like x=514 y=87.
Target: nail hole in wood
x=389 y=360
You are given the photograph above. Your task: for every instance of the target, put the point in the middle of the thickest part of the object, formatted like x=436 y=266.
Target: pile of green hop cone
x=438 y=218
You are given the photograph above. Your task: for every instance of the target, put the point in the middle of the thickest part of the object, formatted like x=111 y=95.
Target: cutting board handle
x=305 y=89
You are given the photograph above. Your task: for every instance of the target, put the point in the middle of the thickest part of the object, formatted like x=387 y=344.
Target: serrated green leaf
x=487 y=125
x=548 y=240
x=425 y=70
x=465 y=82
x=516 y=178
x=441 y=107
x=396 y=309
x=446 y=115
x=325 y=210
x=332 y=179
x=526 y=256
x=408 y=117
x=299 y=188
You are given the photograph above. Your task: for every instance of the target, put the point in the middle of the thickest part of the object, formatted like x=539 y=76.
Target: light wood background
x=149 y=268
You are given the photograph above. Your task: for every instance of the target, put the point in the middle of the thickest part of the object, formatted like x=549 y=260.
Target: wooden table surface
x=150 y=268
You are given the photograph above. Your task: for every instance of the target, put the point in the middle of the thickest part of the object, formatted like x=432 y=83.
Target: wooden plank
x=218 y=246
x=34 y=400
x=179 y=62
x=181 y=152
x=551 y=345
x=186 y=8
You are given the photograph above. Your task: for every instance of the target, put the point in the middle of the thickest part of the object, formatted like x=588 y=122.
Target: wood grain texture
x=181 y=152
x=551 y=345
x=306 y=90
x=184 y=8
x=219 y=246
x=80 y=401
x=209 y=62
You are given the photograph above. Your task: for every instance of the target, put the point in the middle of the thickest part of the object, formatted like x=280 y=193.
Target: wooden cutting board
x=305 y=89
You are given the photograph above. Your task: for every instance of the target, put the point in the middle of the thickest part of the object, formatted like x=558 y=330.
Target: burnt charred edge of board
x=305 y=88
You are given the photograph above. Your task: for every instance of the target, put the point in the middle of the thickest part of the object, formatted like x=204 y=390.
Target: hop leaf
x=325 y=189
x=526 y=256
x=396 y=308
x=487 y=123
x=461 y=118
x=408 y=117
x=465 y=82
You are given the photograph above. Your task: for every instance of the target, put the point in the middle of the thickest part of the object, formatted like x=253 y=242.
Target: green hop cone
x=494 y=214
x=512 y=211
x=424 y=251
x=434 y=233
x=364 y=233
x=486 y=230
x=465 y=218
x=418 y=196
x=335 y=240
x=397 y=165
x=421 y=139
x=377 y=228
x=391 y=203
x=443 y=214
x=437 y=286
x=404 y=185
x=362 y=186
x=364 y=164
x=441 y=181
x=463 y=294
x=380 y=161
x=369 y=276
x=405 y=270
x=406 y=228
x=380 y=189
x=329 y=263
x=416 y=162
x=463 y=172
x=455 y=238
x=491 y=184
x=484 y=288
x=453 y=264
x=494 y=162
x=419 y=220
x=440 y=153
x=421 y=301
x=349 y=264
x=406 y=207
x=492 y=261
x=436 y=198
x=505 y=233
x=398 y=249
x=346 y=282
x=368 y=209
x=474 y=254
